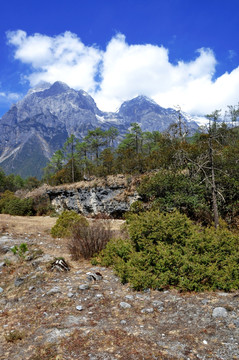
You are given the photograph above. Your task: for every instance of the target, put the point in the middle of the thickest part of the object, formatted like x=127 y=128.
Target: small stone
x=79 y=307
x=54 y=290
x=5 y=249
x=94 y=276
x=99 y=296
x=157 y=303
x=222 y=294
x=1 y=290
x=147 y=310
x=31 y=288
x=70 y=294
x=129 y=297
x=84 y=287
x=125 y=305
x=18 y=282
x=2 y=264
x=123 y=322
x=219 y=312
x=205 y=301
x=205 y=342
x=236 y=323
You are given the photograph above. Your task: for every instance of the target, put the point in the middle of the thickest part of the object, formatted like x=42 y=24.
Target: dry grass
x=14 y=335
x=31 y=225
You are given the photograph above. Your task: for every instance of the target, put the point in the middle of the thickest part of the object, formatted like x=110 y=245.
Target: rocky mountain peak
x=55 y=89
x=40 y=123
x=43 y=85
x=138 y=105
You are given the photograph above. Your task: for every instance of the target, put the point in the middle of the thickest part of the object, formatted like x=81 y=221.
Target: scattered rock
x=157 y=303
x=4 y=249
x=147 y=310
x=54 y=290
x=18 y=282
x=94 y=276
x=60 y=265
x=1 y=290
x=84 y=287
x=129 y=297
x=219 y=312
x=125 y=305
x=99 y=296
x=70 y=294
x=46 y=258
x=79 y=307
x=236 y=323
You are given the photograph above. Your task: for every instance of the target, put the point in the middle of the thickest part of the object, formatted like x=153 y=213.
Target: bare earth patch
x=27 y=225
x=47 y=314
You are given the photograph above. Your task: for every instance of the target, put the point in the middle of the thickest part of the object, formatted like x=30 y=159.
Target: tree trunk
x=214 y=192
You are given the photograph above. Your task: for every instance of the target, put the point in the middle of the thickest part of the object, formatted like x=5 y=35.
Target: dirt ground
x=50 y=315
x=26 y=225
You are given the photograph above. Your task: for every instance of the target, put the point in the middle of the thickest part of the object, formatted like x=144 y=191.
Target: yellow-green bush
x=168 y=250
x=66 y=222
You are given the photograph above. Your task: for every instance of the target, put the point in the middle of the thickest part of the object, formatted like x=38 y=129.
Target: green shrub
x=20 y=250
x=65 y=223
x=114 y=250
x=168 y=250
x=11 y=204
x=168 y=191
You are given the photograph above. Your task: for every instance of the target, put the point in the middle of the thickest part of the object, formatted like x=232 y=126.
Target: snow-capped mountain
x=34 y=128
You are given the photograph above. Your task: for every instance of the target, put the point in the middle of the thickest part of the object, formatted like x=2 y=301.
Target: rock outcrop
x=112 y=195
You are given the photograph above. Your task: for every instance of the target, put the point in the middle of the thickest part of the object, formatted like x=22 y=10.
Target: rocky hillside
x=65 y=315
x=38 y=125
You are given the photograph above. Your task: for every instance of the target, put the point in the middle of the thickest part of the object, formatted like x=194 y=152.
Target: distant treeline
x=16 y=182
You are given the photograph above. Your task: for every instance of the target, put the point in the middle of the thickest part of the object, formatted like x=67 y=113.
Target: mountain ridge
x=40 y=123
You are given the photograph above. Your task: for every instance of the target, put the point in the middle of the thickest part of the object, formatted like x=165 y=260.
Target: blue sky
x=178 y=52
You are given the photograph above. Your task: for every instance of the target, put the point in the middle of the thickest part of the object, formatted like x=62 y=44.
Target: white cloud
x=125 y=71
x=63 y=57
x=8 y=97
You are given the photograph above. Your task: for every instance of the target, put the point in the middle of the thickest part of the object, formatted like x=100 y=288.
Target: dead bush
x=89 y=240
x=3 y=228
